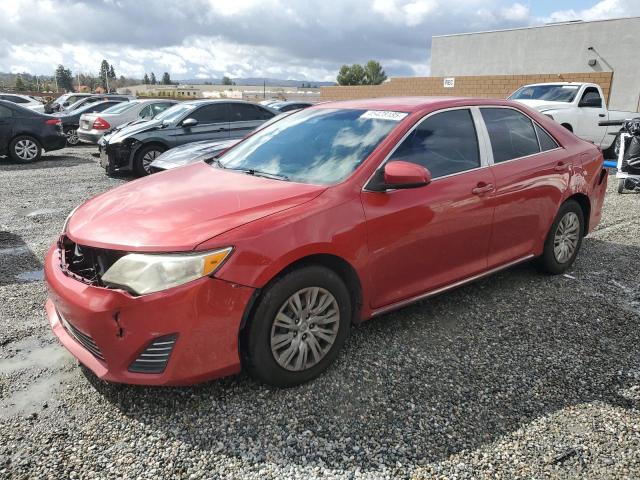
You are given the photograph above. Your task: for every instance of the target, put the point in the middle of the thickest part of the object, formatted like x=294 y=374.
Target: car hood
x=179 y=209
x=134 y=128
x=544 y=105
x=191 y=152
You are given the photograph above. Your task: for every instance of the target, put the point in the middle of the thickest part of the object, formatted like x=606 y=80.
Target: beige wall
x=487 y=86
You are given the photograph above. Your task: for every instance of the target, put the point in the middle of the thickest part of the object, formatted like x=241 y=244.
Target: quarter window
x=511 y=133
x=546 y=141
x=445 y=143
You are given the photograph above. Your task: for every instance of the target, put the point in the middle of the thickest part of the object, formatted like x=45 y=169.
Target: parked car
x=97 y=98
x=64 y=101
x=25 y=133
x=26 y=101
x=199 y=151
x=339 y=213
x=136 y=146
x=93 y=125
x=577 y=106
x=71 y=119
x=289 y=106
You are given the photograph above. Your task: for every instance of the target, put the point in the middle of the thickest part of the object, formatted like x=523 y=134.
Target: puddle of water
x=14 y=250
x=31 y=276
x=42 y=211
x=33 y=397
x=37 y=357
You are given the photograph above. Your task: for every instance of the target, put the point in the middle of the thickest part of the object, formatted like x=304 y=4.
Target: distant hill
x=257 y=81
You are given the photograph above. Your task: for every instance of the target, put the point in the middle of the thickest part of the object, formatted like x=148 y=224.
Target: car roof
x=411 y=104
x=206 y=101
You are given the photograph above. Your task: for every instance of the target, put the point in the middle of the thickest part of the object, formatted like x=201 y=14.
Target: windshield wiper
x=249 y=171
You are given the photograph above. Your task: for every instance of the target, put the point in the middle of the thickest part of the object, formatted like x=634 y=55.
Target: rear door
x=213 y=124
x=425 y=238
x=531 y=176
x=6 y=123
x=245 y=118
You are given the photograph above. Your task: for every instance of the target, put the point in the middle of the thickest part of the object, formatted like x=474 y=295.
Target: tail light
x=101 y=124
x=54 y=121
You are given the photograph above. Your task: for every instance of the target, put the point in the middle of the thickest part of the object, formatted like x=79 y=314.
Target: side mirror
x=591 y=102
x=189 y=122
x=398 y=175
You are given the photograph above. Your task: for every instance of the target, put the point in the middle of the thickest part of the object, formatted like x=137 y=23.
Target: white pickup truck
x=577 y=106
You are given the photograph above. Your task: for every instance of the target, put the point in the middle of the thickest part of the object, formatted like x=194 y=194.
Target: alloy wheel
x=26 y=149
x=72 y=137
x=566 y=238
x=305 y=328
x=148 y=158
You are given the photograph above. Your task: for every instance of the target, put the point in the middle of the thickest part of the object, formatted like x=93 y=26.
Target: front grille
x=155 y=357
x=82 y=338
x=86 y=264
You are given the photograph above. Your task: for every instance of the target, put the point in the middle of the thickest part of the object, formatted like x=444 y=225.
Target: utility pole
x=264 y=89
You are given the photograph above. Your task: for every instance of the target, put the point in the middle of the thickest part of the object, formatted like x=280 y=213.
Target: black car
x=71 y=119
x=24 y=134
x=289 y=106
x=135 y=146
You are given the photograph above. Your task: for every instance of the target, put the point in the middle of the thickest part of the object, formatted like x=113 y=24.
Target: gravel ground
x=520 y=375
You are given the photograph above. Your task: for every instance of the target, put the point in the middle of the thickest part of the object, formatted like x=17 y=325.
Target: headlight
x=66 y=222
x=147 y=273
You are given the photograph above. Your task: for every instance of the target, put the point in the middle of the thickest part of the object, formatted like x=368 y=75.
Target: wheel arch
x=337 y=264
x=26 y=134
x=585 y=206
x=145 y=144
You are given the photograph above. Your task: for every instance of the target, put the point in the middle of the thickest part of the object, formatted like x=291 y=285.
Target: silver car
x=94 y=125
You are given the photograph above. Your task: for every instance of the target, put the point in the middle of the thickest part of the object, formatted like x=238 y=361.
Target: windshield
x=119 y=107
x=321 y=146
x=173 y=113
x=551 y=93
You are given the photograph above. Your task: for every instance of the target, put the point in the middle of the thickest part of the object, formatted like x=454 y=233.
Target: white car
x=26 y=101
x=94 y=126
x=579 y=107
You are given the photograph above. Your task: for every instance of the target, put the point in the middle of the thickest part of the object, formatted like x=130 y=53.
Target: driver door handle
x=602 y=115
x=482 y=188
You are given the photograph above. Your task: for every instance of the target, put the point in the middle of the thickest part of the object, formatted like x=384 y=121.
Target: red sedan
x=265 y=257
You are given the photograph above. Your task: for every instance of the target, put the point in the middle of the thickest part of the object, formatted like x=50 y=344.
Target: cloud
x=239 y=38
x=601 y=10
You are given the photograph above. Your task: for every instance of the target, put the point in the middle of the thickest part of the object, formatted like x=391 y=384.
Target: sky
x=294 y=39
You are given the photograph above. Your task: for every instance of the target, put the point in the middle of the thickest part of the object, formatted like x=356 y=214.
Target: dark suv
x=134 y=147
x=24 y=134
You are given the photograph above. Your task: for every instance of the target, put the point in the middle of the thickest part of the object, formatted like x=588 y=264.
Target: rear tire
x=72 y=137
x=290 y=341
x=564 y=239
x=25 y=149
x=144 y=157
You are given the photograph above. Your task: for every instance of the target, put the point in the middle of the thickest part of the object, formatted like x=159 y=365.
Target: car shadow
x=48 y=160
x=444 y=375
x=18 y=263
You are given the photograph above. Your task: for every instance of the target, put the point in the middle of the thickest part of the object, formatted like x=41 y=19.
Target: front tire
x=298 y=327
x=72 y=138
x=25 y=149
x=564 y=239
x=621 y=184
x=144 y=158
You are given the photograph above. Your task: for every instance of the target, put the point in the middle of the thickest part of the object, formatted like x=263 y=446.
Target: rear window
x=511 y=133
x=119 y=107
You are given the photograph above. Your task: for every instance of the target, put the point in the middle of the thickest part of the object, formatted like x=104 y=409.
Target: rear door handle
x=561 y=167
x=601 y=115
x=482 y=188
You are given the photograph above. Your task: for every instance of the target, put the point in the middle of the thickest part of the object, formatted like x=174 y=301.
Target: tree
x=20 y=86
x=166 y=79
x=64 y=78
x=104 y=73
x=153 y=79
x=227 y=81
x=112 y=73
x=373 y=72
x=146 y=80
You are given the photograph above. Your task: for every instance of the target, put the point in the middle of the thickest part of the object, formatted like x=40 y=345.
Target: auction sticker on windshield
x=384 y=115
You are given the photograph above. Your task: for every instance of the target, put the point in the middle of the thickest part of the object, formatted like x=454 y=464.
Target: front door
x=5 y=126
x=424 y=238
x=591 y=110
x=530 y=178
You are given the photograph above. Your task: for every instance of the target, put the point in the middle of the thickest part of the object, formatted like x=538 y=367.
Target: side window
x=264 y=113
x=511 y=134
x=146 y=112
x=101 y=107
x=546 y=141
x=160 y=107
x=445 y=143
x=16 y=99
x=5 y=112
x=242 y=112
x=591 y=97
x=214 y=113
